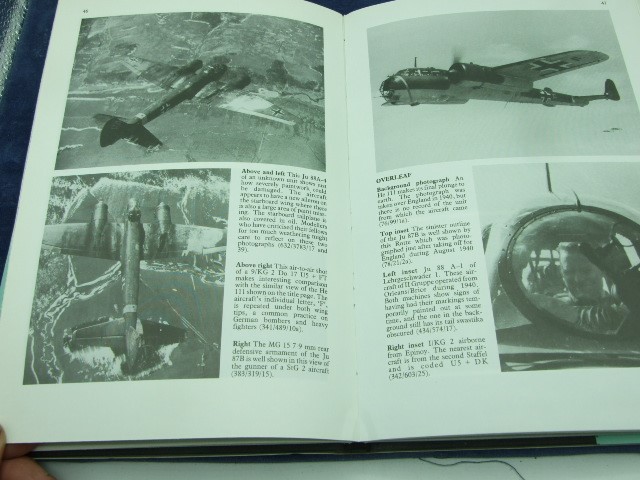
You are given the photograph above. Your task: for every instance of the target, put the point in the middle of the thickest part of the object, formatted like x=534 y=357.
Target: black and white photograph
x=562 y=246
x=499 y=85
x=131 y=276
x=195 y=87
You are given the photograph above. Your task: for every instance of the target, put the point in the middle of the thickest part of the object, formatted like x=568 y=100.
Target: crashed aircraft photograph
x=131 y=278
x=195 y=87
x=485 y=85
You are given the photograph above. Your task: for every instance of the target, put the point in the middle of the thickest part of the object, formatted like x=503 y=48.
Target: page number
x=87 y=11
x=603 y=3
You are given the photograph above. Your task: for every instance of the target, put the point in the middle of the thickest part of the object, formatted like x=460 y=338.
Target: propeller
x=456 y=54
x=454 y=73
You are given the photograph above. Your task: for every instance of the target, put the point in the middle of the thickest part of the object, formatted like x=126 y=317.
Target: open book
x=260 y=221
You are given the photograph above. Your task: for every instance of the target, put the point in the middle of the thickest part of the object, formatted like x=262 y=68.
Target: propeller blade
x=456 y=55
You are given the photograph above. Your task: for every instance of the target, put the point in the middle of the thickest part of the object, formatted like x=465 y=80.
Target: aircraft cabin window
x=570 y=267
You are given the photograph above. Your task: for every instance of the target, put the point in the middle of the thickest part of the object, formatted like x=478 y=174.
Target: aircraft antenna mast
x=415 y=62
x=578 y=204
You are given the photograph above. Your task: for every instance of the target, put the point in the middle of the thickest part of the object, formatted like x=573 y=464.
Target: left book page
x=178 y=268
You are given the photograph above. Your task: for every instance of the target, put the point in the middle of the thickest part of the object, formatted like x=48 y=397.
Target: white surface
x=583 y=467
x=224 y=407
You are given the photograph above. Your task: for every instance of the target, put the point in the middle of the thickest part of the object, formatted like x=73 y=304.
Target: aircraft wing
x=182 y=240
x=112 y=333
x=157 y=73
x=78 y=239
x=210 y=92
x=259 y=107
x=547 y=66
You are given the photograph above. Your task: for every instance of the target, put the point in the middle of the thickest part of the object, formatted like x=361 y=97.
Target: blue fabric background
x=17 y=105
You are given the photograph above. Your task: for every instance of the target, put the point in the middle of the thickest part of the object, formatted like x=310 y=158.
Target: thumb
x=3 y=443
x=20 y=468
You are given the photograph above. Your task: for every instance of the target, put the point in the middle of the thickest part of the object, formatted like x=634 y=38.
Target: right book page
x=497 y=216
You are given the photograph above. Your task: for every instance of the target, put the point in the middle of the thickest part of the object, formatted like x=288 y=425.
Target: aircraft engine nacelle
x=160 y=234
x=473 y=73
x=163 y=214
x=190 y=68
x=237 y=79
x=98 y=223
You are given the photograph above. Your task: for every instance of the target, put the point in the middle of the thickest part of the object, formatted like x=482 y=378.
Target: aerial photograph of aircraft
x=512 y=82
x=131 y=278
x=563 y=262
x=221 y=87
x=183 y=84
x=502 y=81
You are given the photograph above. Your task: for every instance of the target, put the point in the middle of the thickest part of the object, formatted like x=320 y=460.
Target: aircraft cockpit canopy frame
x=525 y=253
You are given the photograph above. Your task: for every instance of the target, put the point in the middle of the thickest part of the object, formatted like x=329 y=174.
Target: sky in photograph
x=502 y=190
x=407 y=136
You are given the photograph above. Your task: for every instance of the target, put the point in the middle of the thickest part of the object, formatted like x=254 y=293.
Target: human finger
x=22 y=468
x=14 y=465
x=14 y=450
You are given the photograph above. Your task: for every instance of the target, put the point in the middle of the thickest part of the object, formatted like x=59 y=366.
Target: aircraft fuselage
x=187 y=92
x=130 y=257
x=185 y=87
x=464 y=82
x=132 y=245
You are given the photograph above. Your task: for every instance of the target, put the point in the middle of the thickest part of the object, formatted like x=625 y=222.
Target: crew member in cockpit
x=587 y=302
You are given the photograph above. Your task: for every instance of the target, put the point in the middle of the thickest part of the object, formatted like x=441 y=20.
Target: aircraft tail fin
x=122 y=338
x=117 y=129
x=610 y=93
x=610 y=90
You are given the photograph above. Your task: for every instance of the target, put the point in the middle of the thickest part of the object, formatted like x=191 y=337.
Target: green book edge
x=619 y=439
